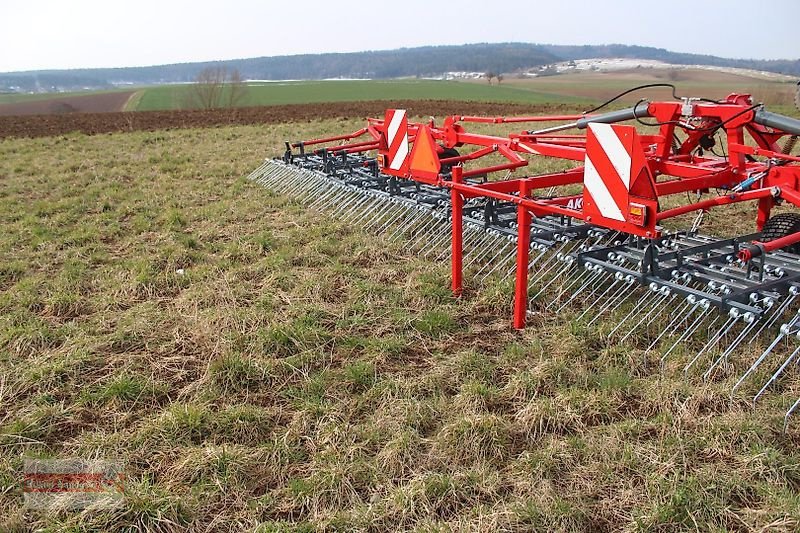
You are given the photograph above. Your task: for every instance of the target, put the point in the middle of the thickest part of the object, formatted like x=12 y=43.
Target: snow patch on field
x=622 y=64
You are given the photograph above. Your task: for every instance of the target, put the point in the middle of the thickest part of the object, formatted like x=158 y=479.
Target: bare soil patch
x=99 y=122
x=88 y=103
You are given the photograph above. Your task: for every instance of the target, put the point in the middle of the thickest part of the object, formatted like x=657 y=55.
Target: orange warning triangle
x=424 y=159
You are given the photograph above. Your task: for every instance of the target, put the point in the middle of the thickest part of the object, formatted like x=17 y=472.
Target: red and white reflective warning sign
x=607 y=174
x=396 y=123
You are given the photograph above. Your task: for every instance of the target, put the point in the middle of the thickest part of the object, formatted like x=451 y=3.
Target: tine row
x=700 y=305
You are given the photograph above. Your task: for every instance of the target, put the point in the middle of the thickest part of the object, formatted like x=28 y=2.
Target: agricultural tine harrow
x=592 y=238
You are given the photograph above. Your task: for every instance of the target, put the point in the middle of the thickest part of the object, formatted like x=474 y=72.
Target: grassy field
x=257 y=368
x=303 y=92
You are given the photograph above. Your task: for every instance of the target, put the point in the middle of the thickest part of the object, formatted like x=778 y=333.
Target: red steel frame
x=670 y=170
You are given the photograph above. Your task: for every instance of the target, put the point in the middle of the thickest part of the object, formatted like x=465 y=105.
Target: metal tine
x=499 y=264
x=381 y=205
x=414 y=215
x=421 y=219
x=734 y=316
x=337 y=207
x=793 y=293
x=399 y=224
x=487 y=248
x=267 y=172
x=470 y=234
x=279 y=181
x=439 y=245
x=776 y=375
x=346 y=207
x=623 y=293
x=598 y=272
x=264 y=177
x=594 y=301
x=321 y=201
x=297 y=181
x=554 y=260
x=404 y=210
x=664 y=308
x=535 y=257
x=499 y=247
x=785 y=331
x=576 y=281
x=336 y=191
x=422 y=232
x=514 y=268
x=381 y=215
x=673 y=323
x=384 y=220
x=440 y=229
x=751 y=320
x=651 y=300
x=431 y=230
x=310 y=192
x=478 y=250
x=568 y=272
x=275 y=174
x=260 y=169
x=566 y=263
x=558 y=256
x=595 y=287
x=364 y=209
x=355 y=207
x=704 y=305
x=789 y=414
x=510 y=269
x=493 y=262
x=649 y=317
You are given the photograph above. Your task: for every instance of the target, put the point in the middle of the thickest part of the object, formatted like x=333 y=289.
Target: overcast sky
x=56 y=34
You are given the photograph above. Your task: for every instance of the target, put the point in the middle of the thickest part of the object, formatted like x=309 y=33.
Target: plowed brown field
x=93 y=123
x=87 y=103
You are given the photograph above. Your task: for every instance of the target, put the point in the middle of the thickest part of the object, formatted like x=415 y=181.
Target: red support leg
x=764 y=208
x=523 y=253
x=457 y=202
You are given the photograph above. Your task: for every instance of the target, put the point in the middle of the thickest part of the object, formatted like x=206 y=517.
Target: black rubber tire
x=448 y=152
x=780 y=226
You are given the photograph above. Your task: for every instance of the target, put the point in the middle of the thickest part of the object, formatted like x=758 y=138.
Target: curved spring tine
x=651 y=300
x=688 y=331
x=675 y=320
x=788 y=414
x=715 y=339
x=724 y=357
x=758 y=361
x=777 y=313
x=776 y=375
x=595 y=300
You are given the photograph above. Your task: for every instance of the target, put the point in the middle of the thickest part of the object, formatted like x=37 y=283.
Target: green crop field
x=256 y=366
x=304 y=92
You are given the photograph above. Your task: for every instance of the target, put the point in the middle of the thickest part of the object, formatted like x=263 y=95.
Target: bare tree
x=208 y=87
x=489 y=76
x=215 y=87
x=499 y=79
x=236 y=89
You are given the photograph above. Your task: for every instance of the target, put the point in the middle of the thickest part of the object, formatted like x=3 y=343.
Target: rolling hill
x=384 y=64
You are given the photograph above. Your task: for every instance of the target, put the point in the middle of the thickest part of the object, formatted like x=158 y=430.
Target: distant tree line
x=405 y=62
